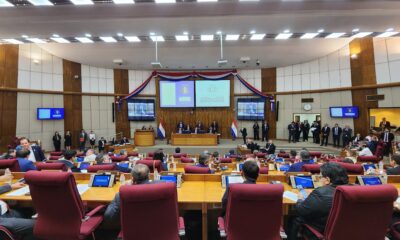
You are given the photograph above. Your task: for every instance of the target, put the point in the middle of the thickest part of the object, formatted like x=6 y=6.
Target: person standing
x=214 y=127
x=298 y=131
x=306 y=130
x=92 y=139
x=347 y=133
x=265 y=131
x=316 y=132
x=244 y=134
x=256 y=130
x=57 y=141
x=336 y=132
x=325 y=134
x=180 y=127
x=67 y=140
x=384 y=124
x=292 y=132
x=102 y=144
x=82 y=140
x=387 y=137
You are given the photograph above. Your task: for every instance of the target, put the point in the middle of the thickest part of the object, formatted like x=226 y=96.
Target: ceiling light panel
x=181 y=38
x=123 y=1
x=13 y=41
x=387 y=34
x=132 y=39
x=108 y=39
x=335 y=35
x=82 y=2
x=362 y=34
x=157 y=38
x=41 y=2
x=309 y=35
x=232 y=37
x=207 y=37
x=84 y=40
x=283 y=36
x=257 y=36
x=60 y=40
x=36 y=40
x=4 y=3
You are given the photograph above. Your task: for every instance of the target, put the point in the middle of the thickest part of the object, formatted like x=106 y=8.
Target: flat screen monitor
x=368 y=166
x=284 y=167
x=371 y=180
x=214 y=93
x=251 y=109
x=176 y=94
x=84 y=165
x=124 y=165
x=233 y=179
x=50 y=113
x=101 y=180
x=344 y=112
x=141 y=110
x=169 y=178
x=304 y=181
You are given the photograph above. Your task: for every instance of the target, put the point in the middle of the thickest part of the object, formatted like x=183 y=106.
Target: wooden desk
x=205 y=139
x=118 y=148
x=144 y=138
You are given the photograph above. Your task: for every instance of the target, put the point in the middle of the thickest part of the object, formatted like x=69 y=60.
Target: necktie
x=336 y=131
x=386 y=137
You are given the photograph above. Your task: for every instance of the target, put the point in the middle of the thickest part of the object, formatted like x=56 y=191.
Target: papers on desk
x=20 y=192
x=82 y=188
x=290 y=195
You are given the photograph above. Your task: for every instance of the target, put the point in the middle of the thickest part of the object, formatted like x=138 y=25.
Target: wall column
x=268 y=84
x=121 y=86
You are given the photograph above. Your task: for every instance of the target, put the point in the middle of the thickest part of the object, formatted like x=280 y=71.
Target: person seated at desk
x=140 y=175
x=395 y=162
x=144 y=127
x=90 y=156
x=14 y=221
x=365 y=151
x=315 y=209
x=36 y=153
x=203 y=162
x=68 y=160
x=250 y=172
x=180 y=127
x=104 y=159
x=305 y=159
x=199 y=126
x=23 y=161
x=373 y=144
x=150 y=128
x=177 y=150
x=270 y=147
x=357 y=138
x=187 y=130
x=293 y=156
x=214 y=127
x=252 y=145
x=124 y=140
x=10 y=154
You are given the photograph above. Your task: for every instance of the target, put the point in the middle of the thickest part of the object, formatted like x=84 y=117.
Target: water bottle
x=315 y=159
x=156 y=175
x=174 y=166
x=122 y=179
x=278 y=167
x=380 y=167
x=8 y=175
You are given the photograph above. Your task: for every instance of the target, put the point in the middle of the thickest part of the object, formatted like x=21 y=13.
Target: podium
x=144 y=138
x=206 y=139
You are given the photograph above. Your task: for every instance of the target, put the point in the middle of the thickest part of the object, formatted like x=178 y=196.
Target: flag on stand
x=234 y=130
x=161 y=131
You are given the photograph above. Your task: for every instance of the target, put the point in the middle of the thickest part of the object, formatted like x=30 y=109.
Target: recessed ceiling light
x=41 y=2
x=88 y=35
x=152 y=34
x=185 y=33
x=387 y=34
x=207 y=37
x=56 y=35
x=4 y=3
x=36 y=40
x=108 y=39
x=259 y=36
x=60 y=40
x=283 y=35
x=253 y=32
x=335 y=35
x=309 y=35
x=84 y=40
x=219 y=32
x=356 y=30
x=132 y=39
x=181 y=38
x=389 y=30
x=232 y=37
x=13 y=41
x=287 y=31
x=82 y=2
x=24 y=36
x=321 y=30
x=124 y=1
x=120 y=34
x=165 y=1
x=361 y=34
x=157 y=38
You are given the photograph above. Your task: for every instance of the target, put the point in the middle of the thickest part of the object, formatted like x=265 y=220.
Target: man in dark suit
x=305 y=127
x=305 y=159
x=244 y=134
x=336 y=132
x=36 y=153
x=264 y=131
x=316 y=132
x=315 y=209
x=102 y=144
x=214 y=127
x=24 y=164
x=325 y=134
x=292 y=132
x=347 y=133
x=256 y=130
x=249 y=173
x=387 y=137
x=199 y=126
x=82 y=140
x=124 y=140
x=395 y=162
x=384 y=124
x=270 y=147
x=180 y=127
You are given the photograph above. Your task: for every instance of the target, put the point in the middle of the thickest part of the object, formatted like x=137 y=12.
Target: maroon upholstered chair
x=11 y=164
x=151 y=164
x=61 y=213
x=100 y=167
x=252 y=201
x=311 y=168
x=54 y=157
x=148 y=158
x=5 y=234
x=119 y=158
x=197 y=170
x=186 y=160
x=352 y=168
x=133 y=154
x=368 y=159
x=150 y=154
x=263 y=170
x=283 y=155
x=179 y=155
x=261 y=155
x=145 y=200
x=225 y=160
x=51 y=166
x=56 y=153
x=315 y=154
x=356 y=209
x=82 y=154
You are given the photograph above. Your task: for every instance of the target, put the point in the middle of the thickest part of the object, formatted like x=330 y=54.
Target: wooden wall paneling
x=268 y=84
x=362 y=74
x=72 y=103
x=121 y=86
x=8 y=100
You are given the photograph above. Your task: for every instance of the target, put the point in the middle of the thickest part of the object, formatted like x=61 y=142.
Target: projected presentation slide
x=141 y=110
x=213 y=93
x=176 y=94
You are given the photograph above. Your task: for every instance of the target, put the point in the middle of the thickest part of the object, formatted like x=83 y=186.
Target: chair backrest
x=225 y=160
x=252 y=201
x=57 y=201
x=54 y=157
x=263 y=170
x=312 y=168
x=51 y=166
x=187 y=160
x=11 y=164
x=82 y=154
x=315 y=154
x=197 y=170
x=133 y=154
x=150 y=154
x=56 y=153
x=119 y=158
x=352 y=168
x=148 y=158
x=261 y=155
x=179 y=155
x=151 y=164
x=367 y=159
x=5 y=234
x=283 y=155
x=360 y=212
x=141 y=204
x=100 y=167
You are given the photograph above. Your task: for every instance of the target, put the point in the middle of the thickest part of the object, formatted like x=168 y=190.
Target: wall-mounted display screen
x=177 y=94
x=141 y=110
x=213 y=93
x=50 y=113
x=250 y=109
x=344 y=112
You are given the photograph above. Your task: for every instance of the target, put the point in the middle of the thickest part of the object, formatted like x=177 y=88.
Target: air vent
x=307 y=100
x=371 y=98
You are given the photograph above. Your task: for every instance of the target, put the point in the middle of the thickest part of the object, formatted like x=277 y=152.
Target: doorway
x=310 y=117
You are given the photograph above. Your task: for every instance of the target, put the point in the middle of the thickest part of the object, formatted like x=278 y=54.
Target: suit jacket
x=270 y=148
x=382 y=125
x=339 y=130
x=393 y=171
x=244 y=132
x=256 y=127
x=102 y=143
x=347 y=133
x=214 y=127
x=82 y=136
x=265 y=127
x=314 y=210
x=177 y=127
x=390 y=137
x=39 y=155
x=298 y=166
x=326 y=131
x=226 y=196
x=292 y=128
x=26 y=165
x=199 y=126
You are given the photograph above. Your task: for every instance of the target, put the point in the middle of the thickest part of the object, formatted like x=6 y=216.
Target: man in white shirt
x=365 y=151
x=90 y=156
x=92 y=139
x=36 y=153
